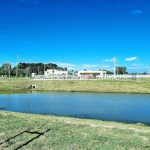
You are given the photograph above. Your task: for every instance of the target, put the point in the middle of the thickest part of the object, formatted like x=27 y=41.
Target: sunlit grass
x=117 y=86
x=69 y=133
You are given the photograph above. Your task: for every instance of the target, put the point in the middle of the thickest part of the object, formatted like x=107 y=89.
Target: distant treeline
x=25 y=69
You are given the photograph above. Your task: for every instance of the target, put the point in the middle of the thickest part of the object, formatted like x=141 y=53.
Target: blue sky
x=84 y=34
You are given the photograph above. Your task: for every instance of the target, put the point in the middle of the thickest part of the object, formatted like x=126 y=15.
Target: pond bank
x=50 y=132
x=103 y=86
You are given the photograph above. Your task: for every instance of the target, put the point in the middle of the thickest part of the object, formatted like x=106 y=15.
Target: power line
x=115 y=67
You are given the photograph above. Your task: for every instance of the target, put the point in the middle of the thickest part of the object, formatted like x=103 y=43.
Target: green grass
x=113 y=86
x=62 y=133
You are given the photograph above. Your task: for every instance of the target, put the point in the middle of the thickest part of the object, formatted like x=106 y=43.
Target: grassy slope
x=70 y=133
x=123 y=86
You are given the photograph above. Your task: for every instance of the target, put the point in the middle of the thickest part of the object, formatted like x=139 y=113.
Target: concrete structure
x=55 y=73
x=33 y=75
x=92 y=74
x=31 y=86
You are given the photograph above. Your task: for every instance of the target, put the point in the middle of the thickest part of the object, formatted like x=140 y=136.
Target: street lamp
x=115 y=67
x=137 y=66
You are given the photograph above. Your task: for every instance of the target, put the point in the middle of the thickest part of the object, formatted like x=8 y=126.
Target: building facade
x=55 y=73
x=92 y=74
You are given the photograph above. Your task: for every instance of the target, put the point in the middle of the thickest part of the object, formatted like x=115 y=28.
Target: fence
x=125 y=76
x=128 y=76
x=56 y=77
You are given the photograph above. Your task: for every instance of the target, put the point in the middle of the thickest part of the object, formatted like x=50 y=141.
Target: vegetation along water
x=108 y=86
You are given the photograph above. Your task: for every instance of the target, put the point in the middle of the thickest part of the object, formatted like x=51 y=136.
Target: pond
x=103 y=106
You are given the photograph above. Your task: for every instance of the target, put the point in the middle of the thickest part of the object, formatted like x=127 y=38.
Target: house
x=92 y=74
x=55 y=73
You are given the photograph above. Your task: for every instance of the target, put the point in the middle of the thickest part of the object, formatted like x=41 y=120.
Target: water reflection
x=116 y=107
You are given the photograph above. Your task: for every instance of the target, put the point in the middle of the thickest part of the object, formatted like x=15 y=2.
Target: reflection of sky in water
x=104 y=106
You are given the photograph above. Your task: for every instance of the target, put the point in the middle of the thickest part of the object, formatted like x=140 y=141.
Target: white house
x=91 y=74
x=55 y=73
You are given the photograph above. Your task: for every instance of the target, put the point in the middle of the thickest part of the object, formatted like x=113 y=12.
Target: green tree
x=121 y=70
x=27 y=72
x=108 y=72
x=5 y=69
x=25 y=69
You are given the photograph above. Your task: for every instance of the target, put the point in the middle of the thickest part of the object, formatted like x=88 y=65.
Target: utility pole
x=44 y=69
x=8 y=69
x=115 y=67
x=59 y=66
x=17 y=66
x=38 y=70
x=137 y=66
x=29 y=69
x=103 y=65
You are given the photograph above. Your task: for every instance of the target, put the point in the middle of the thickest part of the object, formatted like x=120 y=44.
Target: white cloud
x=13 y=64
x=131 y=59
x=137 y=12
x=88 y=66
x=64 y=64
x=109 y=60
x=79 y=66
x=84 y=66
x=137 y=65
x=75 y=67
x=69 y=66
x=106 y=66
x=134 y=65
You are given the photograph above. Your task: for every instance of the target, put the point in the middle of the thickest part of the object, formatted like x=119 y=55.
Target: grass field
x=33 y=132
x=117 y=86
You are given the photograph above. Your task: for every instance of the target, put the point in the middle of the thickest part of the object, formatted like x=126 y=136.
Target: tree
x=121 y=70
x=65 y=69
x=144 y=73
x=108 y=72
x=25 y=69
x=5 y=69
